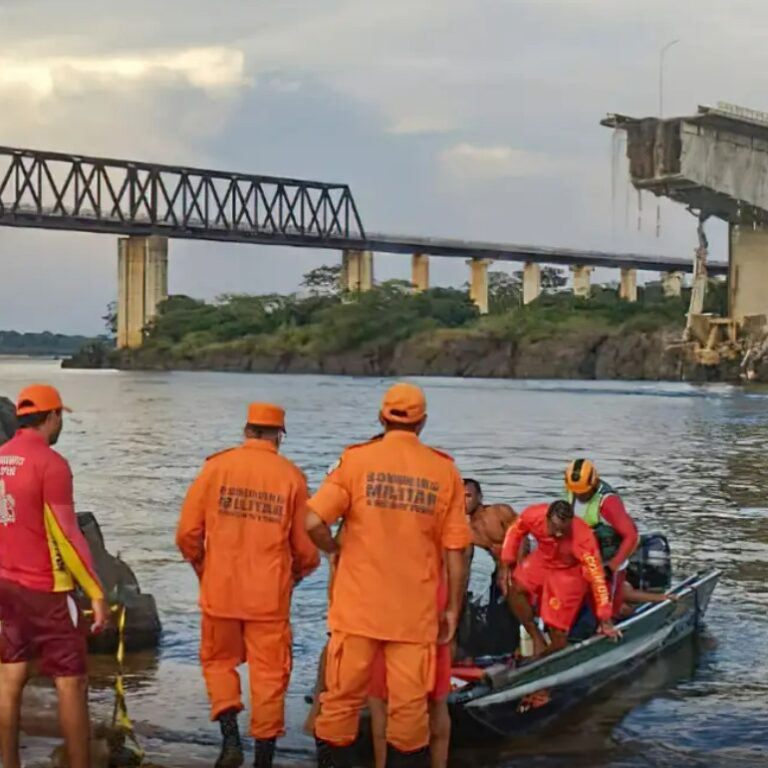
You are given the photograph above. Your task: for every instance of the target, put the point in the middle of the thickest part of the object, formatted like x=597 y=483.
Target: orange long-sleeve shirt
x=580 y=547
x=402 y=504
x=242 y=525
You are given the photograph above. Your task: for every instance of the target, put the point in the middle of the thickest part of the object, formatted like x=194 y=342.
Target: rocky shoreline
x=7 y=419
x=585 y=354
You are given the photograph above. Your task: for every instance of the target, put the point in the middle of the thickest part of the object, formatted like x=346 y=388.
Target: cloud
x=471 y=162
x=209 y=69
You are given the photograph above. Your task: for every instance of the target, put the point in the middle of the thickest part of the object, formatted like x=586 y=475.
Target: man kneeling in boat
x=556 y=575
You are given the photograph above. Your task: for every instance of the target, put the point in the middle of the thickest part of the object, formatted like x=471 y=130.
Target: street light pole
x=661 y=74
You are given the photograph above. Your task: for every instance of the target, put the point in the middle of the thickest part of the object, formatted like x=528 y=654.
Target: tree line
x=322 y=319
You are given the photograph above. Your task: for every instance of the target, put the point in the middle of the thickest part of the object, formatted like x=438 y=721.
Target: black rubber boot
x=329 y=756
x=231 y=755
x=397 y=759
x=263 y=753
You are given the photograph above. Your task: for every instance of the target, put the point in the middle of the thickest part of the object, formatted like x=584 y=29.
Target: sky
x=476 y=119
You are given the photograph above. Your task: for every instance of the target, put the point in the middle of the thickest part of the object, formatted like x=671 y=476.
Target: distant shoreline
x=34 y=355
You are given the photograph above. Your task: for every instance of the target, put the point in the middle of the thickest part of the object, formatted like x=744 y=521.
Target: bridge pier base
x=356 y=271
x=747 y=272
x=628 y=285
x=672 y=284
x=142 y=283
x=420 y=272
x=581 y=281
x=531 y=282
x=478 y=283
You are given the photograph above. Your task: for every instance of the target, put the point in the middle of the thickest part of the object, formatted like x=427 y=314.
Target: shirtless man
x=489 y=522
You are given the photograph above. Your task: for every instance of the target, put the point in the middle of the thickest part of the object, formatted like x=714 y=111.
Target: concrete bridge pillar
x=747 y=271
x=420 y=272
x=672 y=283
x=356 y=271
x=531 y=282
x=142 y=283
x=581 y=281
x=628 y=285
x=478 y=283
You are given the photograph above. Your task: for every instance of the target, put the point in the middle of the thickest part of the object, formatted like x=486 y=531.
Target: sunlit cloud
x=210 y=68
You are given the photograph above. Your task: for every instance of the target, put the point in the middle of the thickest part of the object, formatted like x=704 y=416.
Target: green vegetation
x=322 y=321
x=315 y=325
x=44 y=344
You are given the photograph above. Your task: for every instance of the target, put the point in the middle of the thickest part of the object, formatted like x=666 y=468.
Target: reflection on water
x=691 y=462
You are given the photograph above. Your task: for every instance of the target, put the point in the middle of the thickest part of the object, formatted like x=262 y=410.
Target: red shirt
x=580 y=547
x=41 y=545
x=612 y=510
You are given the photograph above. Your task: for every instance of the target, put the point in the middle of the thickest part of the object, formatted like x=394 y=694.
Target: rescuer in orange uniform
x=403 y=509
x=557 y=574
x=43 y=555
x=243 y=530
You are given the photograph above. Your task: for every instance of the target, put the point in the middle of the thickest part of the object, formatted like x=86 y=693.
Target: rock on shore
x=7 y=419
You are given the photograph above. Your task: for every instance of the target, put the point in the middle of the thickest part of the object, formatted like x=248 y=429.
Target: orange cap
x=38 y=398
x=404 y=404
x=266 y=415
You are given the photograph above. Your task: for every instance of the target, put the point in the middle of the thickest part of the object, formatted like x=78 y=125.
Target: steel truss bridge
x=53 y=190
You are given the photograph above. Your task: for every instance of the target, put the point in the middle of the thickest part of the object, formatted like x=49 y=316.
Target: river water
x=690 y=461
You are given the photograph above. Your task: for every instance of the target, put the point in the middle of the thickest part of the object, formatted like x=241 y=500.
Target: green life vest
x=605 y=534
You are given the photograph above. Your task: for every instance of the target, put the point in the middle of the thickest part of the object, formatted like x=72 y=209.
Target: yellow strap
x=120 y=718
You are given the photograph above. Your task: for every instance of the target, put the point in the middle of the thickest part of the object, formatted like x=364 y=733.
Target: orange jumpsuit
x=242 y=527
x=402 y=504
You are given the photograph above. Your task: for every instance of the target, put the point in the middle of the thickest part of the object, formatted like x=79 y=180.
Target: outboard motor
x=650 y=567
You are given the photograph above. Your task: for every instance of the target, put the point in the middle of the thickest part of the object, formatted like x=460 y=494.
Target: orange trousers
x=266 y=647
x=410 y=678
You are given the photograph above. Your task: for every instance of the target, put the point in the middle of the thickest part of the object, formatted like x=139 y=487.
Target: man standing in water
x=556 y=575
x=403 y=510
x=242 y=529
x=43 y=555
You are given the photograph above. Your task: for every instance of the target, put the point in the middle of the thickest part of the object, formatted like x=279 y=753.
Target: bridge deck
x=71 y=192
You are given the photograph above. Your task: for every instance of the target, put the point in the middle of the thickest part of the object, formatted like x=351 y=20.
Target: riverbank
x=586 y=353
x=392 y=331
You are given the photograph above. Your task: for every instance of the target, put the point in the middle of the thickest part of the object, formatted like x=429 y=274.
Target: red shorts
x=559 y=592
x=443 y=663
x=43 y=626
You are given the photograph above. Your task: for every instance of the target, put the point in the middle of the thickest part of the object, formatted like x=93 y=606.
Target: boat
x=142 y=628
x=509 y=697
